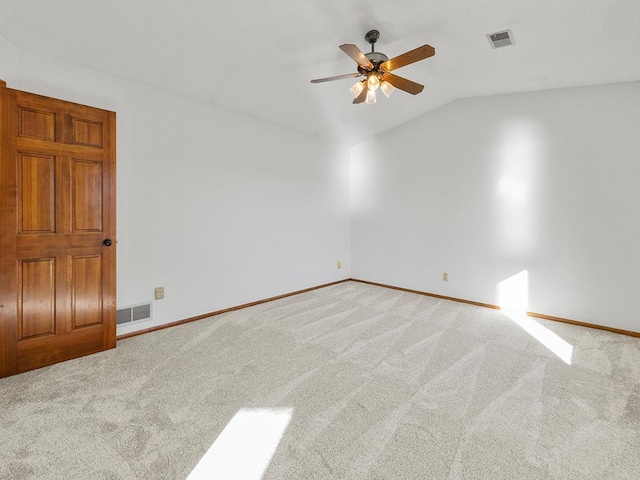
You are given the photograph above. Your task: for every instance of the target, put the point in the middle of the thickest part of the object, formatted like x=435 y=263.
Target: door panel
x=86 y=132
x=37 y=304
x=87 y=196
x=86 y=291
x=57 y=300
x=36 y=193
x=38 y=124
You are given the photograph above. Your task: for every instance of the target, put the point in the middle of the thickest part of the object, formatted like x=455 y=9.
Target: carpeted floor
x=377 y=384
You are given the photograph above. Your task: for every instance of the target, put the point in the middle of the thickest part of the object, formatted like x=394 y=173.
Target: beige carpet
x=376 y=384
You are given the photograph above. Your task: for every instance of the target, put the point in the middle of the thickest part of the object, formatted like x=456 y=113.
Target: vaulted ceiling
x=257 y=57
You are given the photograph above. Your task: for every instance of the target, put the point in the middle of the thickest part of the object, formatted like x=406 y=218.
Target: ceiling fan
x=377 y=67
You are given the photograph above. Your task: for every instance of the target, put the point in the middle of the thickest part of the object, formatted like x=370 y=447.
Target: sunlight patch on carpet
x=514 y=298
x=246 y=445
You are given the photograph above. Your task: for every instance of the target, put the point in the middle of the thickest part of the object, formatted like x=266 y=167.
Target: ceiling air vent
x=501 y=39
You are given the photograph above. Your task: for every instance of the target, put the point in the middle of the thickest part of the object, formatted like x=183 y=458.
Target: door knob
x=107 y=242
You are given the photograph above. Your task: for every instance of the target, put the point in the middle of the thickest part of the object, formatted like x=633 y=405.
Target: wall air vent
x=501 y=39
x=133 y=313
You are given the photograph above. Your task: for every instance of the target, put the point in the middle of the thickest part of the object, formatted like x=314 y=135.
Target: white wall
x=222 y=209
x=219 y=208
x=485 y=188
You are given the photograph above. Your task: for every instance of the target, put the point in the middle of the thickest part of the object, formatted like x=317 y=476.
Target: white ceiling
x=257 y=57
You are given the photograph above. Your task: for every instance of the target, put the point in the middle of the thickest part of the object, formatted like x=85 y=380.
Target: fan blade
x=415 y=55
x=356 y=54
x=337 y=77
x=362 y=97
x=403 y=84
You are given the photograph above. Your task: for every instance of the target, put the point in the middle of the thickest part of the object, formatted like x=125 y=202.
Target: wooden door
x=57 y=218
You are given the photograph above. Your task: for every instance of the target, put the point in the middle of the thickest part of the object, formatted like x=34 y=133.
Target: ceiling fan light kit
x=387 y=88
x=356 y=88
x=377 y=67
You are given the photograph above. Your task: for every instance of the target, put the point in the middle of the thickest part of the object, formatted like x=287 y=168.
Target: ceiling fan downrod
x=372 y=37
x=376 y=58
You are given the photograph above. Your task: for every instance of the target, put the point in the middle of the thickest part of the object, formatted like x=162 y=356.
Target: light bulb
x=371 y=96
x=356 y=89
x=387 y=88
x=373 y=81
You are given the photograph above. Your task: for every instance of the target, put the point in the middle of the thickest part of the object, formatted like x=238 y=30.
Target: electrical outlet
x=339 y=265
x=159 y=293
x=445 y=277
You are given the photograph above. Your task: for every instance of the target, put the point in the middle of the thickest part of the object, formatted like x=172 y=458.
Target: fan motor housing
x=376 y=58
